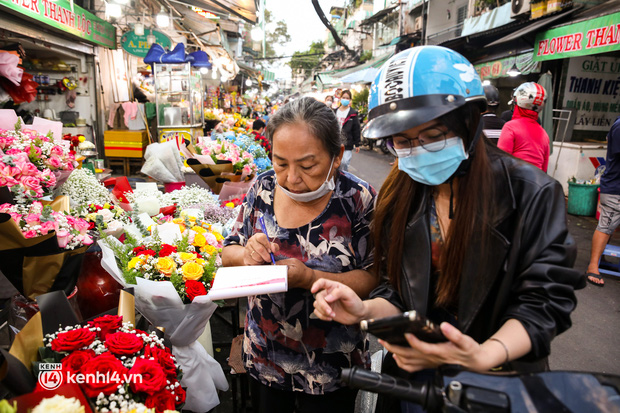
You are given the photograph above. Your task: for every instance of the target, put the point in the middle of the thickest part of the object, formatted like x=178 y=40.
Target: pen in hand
x=264 y=228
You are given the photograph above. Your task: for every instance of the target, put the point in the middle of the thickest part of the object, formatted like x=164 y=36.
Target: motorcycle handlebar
x=424 y=394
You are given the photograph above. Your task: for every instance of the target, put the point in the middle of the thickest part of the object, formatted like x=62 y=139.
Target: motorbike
x=455 y=390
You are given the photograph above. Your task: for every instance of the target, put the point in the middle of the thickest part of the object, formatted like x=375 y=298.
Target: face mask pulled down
x=327 y=186
x=432 y=168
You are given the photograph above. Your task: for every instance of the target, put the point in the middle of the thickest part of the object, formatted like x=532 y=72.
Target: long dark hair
x=473 y=207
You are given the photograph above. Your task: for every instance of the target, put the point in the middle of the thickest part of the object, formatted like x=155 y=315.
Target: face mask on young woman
x=432 y=168
x=327 y=186
x=345 y=102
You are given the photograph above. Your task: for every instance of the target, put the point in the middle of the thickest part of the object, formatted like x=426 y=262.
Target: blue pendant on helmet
x=418 y=85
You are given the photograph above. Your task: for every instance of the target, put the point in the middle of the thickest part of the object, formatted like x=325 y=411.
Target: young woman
x=464 y=233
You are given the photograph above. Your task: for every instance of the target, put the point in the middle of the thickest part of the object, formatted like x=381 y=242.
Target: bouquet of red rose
x=116 y=365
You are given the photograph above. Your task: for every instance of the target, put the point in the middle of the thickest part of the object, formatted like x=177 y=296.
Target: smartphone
x=392 y=329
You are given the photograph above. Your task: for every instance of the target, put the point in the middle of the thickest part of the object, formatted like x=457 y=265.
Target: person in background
x=491 y=124
x=329 y=101
x=523 y=136
x=349 y=121
x=336 y=99
x=258 y=128
x=464 y=234
x=317 y=218
x=507 y=114
x=610 y=204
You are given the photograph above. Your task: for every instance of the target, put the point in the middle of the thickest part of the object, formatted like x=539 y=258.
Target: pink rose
x=87 y=240
x=56 y=150
x=211 y=240
x=13 y=151
x=31 y=183
x=30 y=234
x=49 y=177
x=54 y=162
x=32 y=219
x=37 y=151
x=48 y=226
x=30 y=170
x=63 y=238
x=81 y=225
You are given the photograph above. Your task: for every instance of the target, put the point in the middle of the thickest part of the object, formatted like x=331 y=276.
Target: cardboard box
x=124 y=143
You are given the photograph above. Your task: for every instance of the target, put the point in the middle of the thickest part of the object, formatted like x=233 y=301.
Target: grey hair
x=320 y=119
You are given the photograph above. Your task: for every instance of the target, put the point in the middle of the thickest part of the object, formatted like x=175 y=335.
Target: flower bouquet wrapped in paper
x=171 y=266
x=227 y=163
x=41 y=249
x=163 y=162
x=118 y=368
x=83 y=188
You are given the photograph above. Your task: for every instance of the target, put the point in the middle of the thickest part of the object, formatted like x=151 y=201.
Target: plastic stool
x=610 y=268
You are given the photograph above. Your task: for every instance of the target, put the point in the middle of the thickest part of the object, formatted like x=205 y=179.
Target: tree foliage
x=309 y=59
x=277 y=36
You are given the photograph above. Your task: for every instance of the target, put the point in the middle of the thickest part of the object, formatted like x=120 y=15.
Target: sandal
x=597 y=276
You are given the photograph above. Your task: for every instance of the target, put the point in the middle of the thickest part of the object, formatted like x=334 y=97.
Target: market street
x=591 y=343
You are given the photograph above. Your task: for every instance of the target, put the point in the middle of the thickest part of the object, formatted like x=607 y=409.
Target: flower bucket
x=582 y=199
x=173 y=186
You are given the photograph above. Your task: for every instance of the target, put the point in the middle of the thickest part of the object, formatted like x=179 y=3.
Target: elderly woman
x=318 y=218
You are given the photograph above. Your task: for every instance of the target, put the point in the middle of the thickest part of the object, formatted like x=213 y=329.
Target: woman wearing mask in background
x=464 y=234
x=318 y=217
x=349 y=121
x=329 y=101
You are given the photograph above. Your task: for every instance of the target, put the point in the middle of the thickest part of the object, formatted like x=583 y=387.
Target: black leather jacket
x=351 y=130
x=529 y=274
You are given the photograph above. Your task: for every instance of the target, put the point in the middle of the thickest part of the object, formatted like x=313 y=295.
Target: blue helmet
x=418 y=85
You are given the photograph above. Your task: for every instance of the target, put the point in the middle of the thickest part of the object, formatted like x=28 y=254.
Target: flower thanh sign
x=68 y=17
x=600 y=35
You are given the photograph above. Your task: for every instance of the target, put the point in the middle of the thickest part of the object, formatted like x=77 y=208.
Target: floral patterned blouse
x=286 y=347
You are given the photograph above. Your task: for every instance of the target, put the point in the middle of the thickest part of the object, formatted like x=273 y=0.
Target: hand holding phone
x=392 y=329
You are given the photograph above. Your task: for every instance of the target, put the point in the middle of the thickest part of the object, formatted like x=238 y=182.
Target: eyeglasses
x=432 y=140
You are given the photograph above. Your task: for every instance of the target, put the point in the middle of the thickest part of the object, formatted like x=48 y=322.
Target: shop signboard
x=139 y=45
x=595 y=36
x=593 y=90
x=68 y=17
x=499 y=68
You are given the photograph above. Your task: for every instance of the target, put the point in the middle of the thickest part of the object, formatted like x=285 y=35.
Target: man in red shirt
x=258 y=128
x=523 y=137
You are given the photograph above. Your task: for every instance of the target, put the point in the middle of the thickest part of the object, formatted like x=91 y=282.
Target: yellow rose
x=91 y=217
x=209 y=249
x=134 y=262
x=199 y=230
x=187 y=256
x=200 y=262
x=230 y=204
x=165 y=265
x=218 y=236
x=192 y=271
x=178 y=221
x=199 y=240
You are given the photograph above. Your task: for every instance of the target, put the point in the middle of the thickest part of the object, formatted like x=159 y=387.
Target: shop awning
x=364 y=73
x=247 y=68
x=497 y=68
x=497 y=17
x=244 y=9
x=267 y=75
x=377 y=16
x=535 y=26
x=361 y=76
x=587 y=37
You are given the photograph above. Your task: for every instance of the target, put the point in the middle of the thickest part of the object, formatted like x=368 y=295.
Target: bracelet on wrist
x=505 y=348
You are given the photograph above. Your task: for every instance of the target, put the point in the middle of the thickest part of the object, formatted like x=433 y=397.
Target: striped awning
x=268 y=76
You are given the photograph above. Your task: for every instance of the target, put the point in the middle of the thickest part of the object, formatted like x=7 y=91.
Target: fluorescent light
x=214 y=74
x=248 y=82
x=138 y=29
x=162 y=19
x=151 y=39
x=514 y=71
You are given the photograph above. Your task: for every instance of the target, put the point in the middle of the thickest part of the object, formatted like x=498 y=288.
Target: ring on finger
x=252 y=254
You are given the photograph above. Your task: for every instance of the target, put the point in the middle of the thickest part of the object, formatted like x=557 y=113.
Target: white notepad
x=234 y=282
